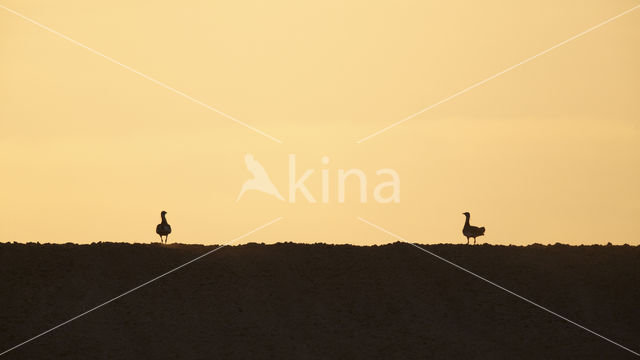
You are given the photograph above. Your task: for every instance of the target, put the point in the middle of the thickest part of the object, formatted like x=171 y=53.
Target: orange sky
x=548 y=152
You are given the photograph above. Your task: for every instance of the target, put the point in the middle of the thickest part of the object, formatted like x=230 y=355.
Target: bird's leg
x=166 y=237
x=474 y=241
x=467 y=241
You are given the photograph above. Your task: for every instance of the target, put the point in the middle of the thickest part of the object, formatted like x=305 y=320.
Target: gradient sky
x=549 y=152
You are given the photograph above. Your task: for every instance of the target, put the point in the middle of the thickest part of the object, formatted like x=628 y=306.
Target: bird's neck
x=164 y=219
x=466 y=222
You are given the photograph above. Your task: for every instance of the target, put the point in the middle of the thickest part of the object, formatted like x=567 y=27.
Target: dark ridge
x=318 y=301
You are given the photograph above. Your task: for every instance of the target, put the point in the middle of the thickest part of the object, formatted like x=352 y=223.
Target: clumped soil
x=297 y=301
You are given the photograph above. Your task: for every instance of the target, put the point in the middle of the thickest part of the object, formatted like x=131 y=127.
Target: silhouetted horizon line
x=173 y=245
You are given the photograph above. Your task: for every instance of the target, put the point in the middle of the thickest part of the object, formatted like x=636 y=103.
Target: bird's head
x=163 y=212
x=466 y=213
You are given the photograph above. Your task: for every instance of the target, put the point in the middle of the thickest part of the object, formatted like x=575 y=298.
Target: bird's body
x=163 y=229
x=471 y=231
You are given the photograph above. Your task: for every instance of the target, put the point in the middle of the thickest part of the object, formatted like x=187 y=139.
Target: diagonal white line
x=158 y=82
x=144 y=284
x=494 y=76
x=494 y=284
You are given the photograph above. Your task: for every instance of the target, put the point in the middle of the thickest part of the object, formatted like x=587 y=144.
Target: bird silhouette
x=163 y=229
x=471 y=231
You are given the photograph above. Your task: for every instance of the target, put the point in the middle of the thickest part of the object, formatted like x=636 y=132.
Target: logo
x=384 y=192
x=260 y=181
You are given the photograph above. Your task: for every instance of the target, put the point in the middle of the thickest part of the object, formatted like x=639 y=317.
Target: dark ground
x=293 y=301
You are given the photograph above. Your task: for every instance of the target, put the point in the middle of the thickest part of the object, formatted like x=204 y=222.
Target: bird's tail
x=482 y=228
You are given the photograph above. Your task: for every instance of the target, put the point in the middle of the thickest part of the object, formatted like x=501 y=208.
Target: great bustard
x=471 y=231
x=163 y=229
